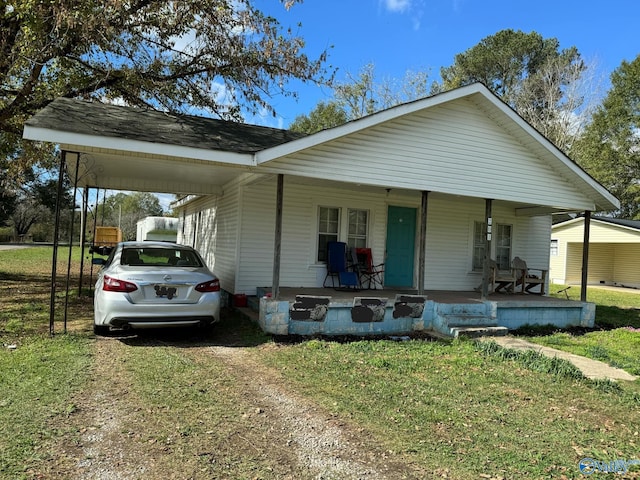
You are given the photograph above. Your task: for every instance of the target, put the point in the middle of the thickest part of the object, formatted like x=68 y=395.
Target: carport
x=614 y=257
x=145 y=151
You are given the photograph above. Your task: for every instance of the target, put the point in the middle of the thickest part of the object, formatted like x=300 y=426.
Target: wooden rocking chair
x=530 y=280
x=503 y=280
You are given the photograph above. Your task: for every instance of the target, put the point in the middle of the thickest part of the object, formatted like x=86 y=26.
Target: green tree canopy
x=124 y=210
x=219 y=57
x=531 y=74
x=609 y=149
x=323 y=116
x=362 y=95
x=503 y=61
x=214 y=55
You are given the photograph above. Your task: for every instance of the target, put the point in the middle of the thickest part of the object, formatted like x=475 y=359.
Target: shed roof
x=620 y=222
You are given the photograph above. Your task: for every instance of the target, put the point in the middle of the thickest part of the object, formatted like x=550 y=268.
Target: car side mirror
x=98 y=261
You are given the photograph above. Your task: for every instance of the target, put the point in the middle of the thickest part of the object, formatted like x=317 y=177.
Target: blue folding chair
x=338 y=268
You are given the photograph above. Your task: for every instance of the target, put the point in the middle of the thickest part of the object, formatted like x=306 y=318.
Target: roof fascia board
x=136 y=146
x=567 y=223
x=535 y=211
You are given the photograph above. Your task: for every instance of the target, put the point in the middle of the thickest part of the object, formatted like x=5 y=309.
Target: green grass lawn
x=463 y=410
x=37 y=382
x=613 y=308
x=616 y=338
x=459 y=409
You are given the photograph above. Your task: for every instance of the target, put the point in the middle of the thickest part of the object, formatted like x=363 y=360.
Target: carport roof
x=621 y=222
x=146 y=125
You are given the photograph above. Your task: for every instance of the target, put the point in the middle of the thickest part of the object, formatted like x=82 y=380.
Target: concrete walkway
x=590 y=368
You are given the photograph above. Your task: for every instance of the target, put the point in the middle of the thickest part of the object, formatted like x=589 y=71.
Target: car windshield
x=160 y=257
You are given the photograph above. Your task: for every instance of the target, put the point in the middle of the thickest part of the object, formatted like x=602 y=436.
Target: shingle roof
x=79 y=116
x=619 y=221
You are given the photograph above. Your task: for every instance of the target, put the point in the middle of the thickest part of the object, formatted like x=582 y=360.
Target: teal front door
x=401 y=234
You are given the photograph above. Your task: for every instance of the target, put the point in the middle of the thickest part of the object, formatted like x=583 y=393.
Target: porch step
x=475 y=332
x=467 y=320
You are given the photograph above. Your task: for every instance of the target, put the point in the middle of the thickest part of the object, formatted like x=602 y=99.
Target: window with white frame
x=358 y=223
x=328 y=229
x=554 y=248
x=479 y=241
x=503 y=246
x=352 y=228
x=502 y=236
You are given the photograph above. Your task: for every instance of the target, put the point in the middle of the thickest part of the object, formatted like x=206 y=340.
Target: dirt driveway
x=270 y=432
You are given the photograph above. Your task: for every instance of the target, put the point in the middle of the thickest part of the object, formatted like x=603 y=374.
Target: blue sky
x=401 y=35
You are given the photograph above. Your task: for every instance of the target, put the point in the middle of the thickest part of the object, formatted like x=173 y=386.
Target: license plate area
x=165 y=291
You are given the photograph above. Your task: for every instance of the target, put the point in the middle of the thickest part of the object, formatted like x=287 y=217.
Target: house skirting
x=370 y=313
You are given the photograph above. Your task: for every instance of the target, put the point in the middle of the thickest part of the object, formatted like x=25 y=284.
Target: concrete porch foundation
x=322 y=311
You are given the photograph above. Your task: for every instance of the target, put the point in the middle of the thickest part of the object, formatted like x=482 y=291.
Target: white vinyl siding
x=451 y=148
x=448 y=243
x=627 y=265
x=450 y=224
x=216 y=220
x=299 y=266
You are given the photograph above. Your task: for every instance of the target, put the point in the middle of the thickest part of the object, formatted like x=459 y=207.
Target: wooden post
x=275 y=284
x=486 y=267
x=422 y=254
x=585 y=256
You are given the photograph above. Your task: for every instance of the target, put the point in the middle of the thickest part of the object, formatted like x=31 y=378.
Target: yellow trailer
x=105 y=239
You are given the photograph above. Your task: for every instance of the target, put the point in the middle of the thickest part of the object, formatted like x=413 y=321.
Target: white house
x=164 y=229
x=417 y=183
x=614 y=252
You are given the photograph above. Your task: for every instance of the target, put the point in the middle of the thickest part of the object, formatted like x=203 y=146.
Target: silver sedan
x=154 y=284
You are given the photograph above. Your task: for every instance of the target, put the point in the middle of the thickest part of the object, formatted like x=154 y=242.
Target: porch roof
x=134 y=149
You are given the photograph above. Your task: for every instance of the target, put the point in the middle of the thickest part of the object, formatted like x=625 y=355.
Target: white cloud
x=398 y=6
x=414 y=8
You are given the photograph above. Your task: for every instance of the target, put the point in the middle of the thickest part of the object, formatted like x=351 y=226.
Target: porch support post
x=83 y=232
x=486 y=268
x=56 y=232
x=73 y=218
x=585 y=256
x=422 y=254
x=275 y=284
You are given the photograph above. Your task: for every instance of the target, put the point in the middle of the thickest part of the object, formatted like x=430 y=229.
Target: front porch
x=325 y=311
